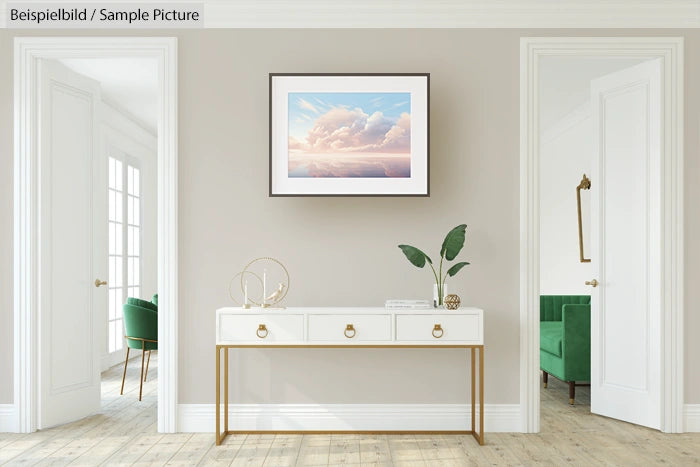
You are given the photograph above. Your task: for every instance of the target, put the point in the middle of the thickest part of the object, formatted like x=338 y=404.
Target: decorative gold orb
x=452 y=301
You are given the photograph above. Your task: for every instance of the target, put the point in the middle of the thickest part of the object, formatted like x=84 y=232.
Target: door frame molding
x=27 y=259
x=670 y=51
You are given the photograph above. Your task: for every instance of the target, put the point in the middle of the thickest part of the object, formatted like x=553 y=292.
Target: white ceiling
x=438 y=14
x=129 y=84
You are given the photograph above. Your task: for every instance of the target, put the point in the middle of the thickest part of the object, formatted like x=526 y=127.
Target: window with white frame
x=124 y=242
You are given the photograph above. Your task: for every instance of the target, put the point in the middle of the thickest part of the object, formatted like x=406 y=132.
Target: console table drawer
x=438 y=328
x=261 y=328
x=350 y=328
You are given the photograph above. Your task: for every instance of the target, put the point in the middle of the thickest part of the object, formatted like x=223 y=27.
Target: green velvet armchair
x=565 y=339
x=141 y=326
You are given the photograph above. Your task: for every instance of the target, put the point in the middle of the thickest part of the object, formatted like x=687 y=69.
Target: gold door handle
x=99 y=282
x=349 y=328
x=436 y=329
x=592 y=283
x=261 y=328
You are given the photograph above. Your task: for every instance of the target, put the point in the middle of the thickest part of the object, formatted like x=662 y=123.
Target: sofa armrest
x=576 y=339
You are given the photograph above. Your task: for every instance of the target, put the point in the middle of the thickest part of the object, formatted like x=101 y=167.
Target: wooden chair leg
x=148 y=361
x=572 y=392
x=545 y=378
x=143 y=354
x=124 y=376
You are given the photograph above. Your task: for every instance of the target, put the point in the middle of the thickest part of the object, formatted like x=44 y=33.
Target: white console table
x=350 y=328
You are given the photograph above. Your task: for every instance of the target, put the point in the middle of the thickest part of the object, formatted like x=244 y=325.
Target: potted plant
x=451 y=246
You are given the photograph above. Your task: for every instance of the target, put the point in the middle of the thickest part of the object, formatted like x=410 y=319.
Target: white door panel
x=625 y=311
x=70 y=334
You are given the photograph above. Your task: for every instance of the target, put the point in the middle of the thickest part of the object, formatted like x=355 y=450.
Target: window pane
x=137 y=271
x=130 y=209
x=137 y=238
x=137 y=211
x=119 y=329
x=118 y=239
x=118 y=301
x=112 y=271
x=118 y=273
x=112 y=238
x=112 y=335
x=130 y=271
x=112 y=174
x=130 y=180
x=119 y=175
x=137 y=292
x=130 y=241
x=137 y=182
x=118 y=209
x=112 y=206
x=112 y=303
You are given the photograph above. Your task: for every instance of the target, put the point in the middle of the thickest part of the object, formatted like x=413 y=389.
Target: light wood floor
x=125 y=433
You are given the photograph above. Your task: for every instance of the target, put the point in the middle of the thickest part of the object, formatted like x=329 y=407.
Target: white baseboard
x=8 y=418
x=351 y=417
x=691 y=418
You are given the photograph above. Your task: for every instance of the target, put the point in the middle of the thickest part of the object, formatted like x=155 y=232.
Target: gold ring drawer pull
x=436 y=329
x=262 y=328
x=348 y=329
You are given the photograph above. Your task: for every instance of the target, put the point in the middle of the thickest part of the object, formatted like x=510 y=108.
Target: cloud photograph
x=349 y=135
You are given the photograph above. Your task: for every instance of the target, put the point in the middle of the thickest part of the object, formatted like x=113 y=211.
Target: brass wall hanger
x=584 y=185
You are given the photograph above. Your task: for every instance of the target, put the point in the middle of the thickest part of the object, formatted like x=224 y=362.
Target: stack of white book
x=408 y=304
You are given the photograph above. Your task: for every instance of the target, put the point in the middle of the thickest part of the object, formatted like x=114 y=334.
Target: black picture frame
x=418 y=84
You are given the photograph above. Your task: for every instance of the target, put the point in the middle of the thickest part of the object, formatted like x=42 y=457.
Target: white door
x=73 y=231
x=625 y=245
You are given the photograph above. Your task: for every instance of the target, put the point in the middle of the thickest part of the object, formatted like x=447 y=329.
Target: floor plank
x=125 y=433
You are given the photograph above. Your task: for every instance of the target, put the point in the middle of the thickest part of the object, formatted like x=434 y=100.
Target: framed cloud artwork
x=349 y=134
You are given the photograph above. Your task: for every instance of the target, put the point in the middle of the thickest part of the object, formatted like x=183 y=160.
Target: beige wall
x=342 y=251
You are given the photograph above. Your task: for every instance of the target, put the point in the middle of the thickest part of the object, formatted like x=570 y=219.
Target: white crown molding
x=354 y=417
x=443 y=14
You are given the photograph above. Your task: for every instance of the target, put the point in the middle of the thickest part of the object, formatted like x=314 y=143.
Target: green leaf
x=454 y=241
x=455 y=269
x=415 y=256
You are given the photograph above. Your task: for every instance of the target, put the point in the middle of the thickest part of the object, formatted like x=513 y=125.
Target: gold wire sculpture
x=230 y=292
x=262 y=301
x=452 y=301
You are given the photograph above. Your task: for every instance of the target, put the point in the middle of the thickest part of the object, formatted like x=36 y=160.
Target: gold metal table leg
x=225 y=391
x=473 y=381
x=481 y=395
x=479 y=436
x=218 y=395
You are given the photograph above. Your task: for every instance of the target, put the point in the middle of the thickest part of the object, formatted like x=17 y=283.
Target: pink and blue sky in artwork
x=350 y=134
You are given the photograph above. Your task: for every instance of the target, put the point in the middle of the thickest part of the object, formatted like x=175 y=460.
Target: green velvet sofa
x=565 y=339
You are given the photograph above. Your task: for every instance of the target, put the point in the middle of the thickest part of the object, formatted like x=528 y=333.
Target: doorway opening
x=127 y=135
x=634 y=136
x=95 y=227
x=569 y=133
